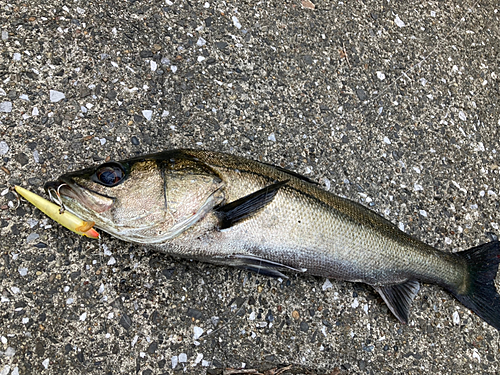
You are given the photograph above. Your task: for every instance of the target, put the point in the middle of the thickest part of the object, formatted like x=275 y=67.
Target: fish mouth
x=65 y=193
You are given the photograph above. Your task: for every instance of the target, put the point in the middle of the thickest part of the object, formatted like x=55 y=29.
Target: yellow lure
x=52 y=210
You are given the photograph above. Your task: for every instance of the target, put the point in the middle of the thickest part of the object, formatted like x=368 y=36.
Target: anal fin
x=399 y=297
x=240 y=209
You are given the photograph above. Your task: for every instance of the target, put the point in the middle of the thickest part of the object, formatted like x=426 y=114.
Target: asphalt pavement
x=392 y=104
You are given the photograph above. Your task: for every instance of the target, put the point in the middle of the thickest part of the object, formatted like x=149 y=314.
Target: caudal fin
x=481 y=295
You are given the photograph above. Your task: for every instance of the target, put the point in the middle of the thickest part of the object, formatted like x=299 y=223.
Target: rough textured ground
x=391 y=103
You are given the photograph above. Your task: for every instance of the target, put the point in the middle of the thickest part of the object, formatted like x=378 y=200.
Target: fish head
x=143 y=200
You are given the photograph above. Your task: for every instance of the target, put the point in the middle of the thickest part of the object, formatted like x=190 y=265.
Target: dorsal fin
x=399 y=297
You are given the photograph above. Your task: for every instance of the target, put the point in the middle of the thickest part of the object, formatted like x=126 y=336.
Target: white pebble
x=183 y=358
x=5 y=370
x=381 y=76
x=4 y=148
x=206 y=5
x=17 y=56
x=387 y=140
x=45 y=363
x=236 y=23
x=111 y=261
x=56 y=96
x=272 y=137
x=173 y=68
x=6 y=107
x=205 y=363
x=433 y=14
x=23 y=271
x=15 y=290
x=24 y=97
x=5 y=35
x=462 y=115
x=10 y=352
x=153 y=65
x=398 y=22
x=26 y=320
x=198 y=331
x=69 y=301
x=401 y=226
x=198 y=359
x=327 y=183
x=34 y=111
x=201 y=58
x=201 y=42
x=32 y=237
x=148 y=114
x=423 y=213
x=15 y=371
x=456 y=318
x=83 y=316
x=175 y=360
x=327 y=285
x=355 y=303
x=32 y=222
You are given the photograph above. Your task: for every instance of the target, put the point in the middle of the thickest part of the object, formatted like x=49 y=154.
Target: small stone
x=145 y=54
x=111 y=95
x=56 y=96
x=327 y=284
x=398 y=22
x=236 y=23
x=125 y=321
x=295 y=314
x=32 y=237
x=381 y=76
x=361 y=94
x=198 y=331
x=272 y=137
x=4 y=148
x=148 y=114
x=135 y=140
x=201 y=42
x=182 y=358
x=304 y=327
x=6 y=107
x=23 y=271
x=152 y=347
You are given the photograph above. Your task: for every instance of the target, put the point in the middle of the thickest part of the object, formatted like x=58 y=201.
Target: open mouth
x=63 y=192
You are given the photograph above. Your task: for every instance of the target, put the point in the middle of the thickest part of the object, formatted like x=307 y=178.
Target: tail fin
x=481 y=295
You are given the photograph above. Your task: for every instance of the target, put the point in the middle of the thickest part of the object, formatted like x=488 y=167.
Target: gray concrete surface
x=391 y=103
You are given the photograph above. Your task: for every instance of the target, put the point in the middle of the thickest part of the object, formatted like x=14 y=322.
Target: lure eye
x=109 y=174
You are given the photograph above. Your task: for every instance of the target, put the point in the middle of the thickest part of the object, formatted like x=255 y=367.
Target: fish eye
x=110 y=174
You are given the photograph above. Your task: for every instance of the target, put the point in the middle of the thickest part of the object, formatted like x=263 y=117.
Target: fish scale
x=230 y=210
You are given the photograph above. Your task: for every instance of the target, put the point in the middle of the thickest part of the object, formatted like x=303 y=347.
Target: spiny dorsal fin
x=246 y=206
x=399 y=298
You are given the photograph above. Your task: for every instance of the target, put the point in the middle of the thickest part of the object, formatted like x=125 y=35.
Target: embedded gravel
x=391 y=104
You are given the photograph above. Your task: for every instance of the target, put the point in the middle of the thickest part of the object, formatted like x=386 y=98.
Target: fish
x=233 y=211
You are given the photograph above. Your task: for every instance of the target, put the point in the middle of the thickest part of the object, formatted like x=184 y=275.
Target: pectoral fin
x=242 y=208
x=399 y=297
x=261 y=266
